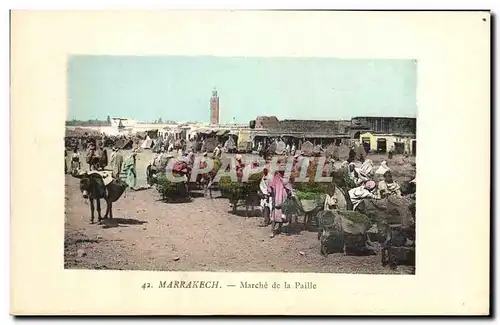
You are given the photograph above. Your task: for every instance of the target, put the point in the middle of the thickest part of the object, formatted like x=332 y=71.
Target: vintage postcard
x=269 y=156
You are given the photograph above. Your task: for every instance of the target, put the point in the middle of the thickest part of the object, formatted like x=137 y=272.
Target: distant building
x=387 y=125
x=214 y=107
x=313 y=128
x=121 y=123
x=382 y=143
x=266 y=122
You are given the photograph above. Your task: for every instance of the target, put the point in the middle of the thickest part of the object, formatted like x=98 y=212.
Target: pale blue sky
x=179 y=87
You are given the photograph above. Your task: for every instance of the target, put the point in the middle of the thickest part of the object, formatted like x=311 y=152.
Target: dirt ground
x=201 y=235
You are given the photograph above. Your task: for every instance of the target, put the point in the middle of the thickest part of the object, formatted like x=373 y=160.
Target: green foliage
x=95 y=122
x=354 y=220
x=238 y=190
x=254 y=179
x=170 y=189
x=358 y=218
x=309 y=195
x=226 y=185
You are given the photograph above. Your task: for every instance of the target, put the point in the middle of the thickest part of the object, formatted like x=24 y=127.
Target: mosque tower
x=214 y=107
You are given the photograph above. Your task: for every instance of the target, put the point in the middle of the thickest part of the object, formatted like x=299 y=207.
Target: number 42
x=146 y=286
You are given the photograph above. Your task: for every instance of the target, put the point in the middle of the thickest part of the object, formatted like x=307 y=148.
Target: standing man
x=116 y=162
x=391 y=152
x=75 y=160
x=352 y=155
x=130 y=170
x=91 y=157
x=217 y=151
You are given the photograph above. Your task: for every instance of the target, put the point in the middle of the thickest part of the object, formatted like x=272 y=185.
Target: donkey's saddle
x=107 y=178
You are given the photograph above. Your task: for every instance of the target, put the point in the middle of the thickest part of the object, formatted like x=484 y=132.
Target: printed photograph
x=241 y=164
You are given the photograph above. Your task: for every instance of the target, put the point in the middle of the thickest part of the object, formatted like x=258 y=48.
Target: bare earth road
x=202 y=235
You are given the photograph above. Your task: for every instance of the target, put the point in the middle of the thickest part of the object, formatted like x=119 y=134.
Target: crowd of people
x=368 y=188
x=365 y=182
x=97 y=160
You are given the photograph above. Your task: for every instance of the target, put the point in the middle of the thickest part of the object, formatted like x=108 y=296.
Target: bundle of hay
x=309 y=195
x=333 y=150
x=235 y=190
x=393 y=210
x=307 y=148
x=343 y=151
x=344 y=231
x=309 y=201
x=254 y=180
x=171 y=190
x=317 y=150
x=229 y=188
x=341 y=179
x=280 y=147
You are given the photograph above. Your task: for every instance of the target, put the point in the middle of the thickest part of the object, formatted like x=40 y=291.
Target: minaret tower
x=214 y=107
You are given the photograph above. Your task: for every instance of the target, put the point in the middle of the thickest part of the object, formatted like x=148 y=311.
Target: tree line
x=107 y=122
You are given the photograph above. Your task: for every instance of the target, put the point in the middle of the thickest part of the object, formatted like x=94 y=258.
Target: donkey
x=94 y=187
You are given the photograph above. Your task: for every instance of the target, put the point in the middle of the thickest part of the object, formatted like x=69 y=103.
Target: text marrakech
x=189 y=284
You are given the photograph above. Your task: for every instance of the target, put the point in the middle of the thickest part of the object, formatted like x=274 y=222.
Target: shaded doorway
x=399 y=147
x=382 y=145
x=366 y=144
